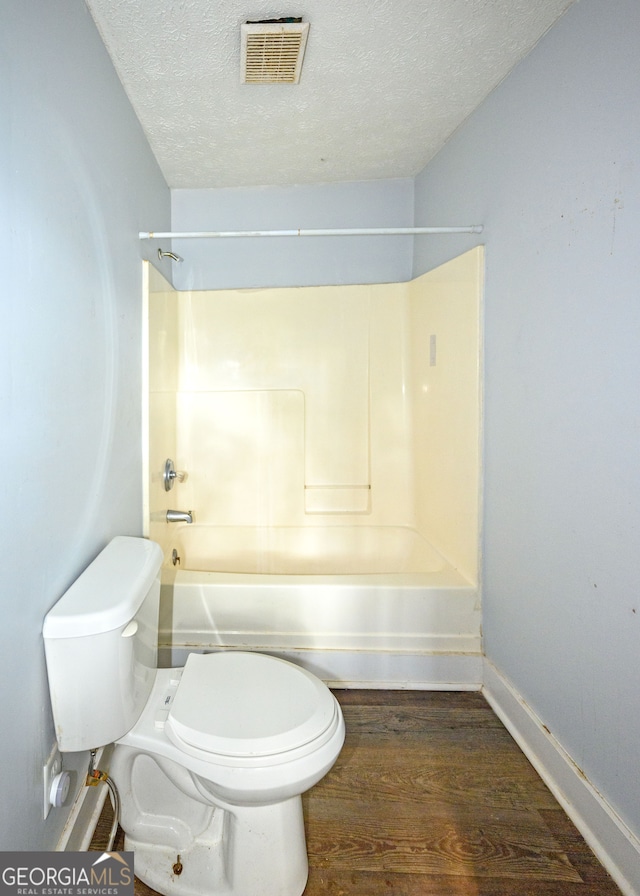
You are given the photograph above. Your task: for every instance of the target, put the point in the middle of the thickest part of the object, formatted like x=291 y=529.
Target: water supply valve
x=95 y=777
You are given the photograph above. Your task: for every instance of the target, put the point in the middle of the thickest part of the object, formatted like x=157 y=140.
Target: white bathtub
x=359 y=606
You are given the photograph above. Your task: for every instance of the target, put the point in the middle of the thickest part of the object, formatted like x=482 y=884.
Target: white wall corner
x=616 y=847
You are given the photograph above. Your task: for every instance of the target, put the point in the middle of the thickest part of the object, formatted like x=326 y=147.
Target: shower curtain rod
x=362 y=231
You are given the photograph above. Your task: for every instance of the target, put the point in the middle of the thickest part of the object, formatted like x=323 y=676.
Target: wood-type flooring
x=432 y=797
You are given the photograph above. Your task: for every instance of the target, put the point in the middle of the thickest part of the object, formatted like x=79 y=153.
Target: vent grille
x=272 y=53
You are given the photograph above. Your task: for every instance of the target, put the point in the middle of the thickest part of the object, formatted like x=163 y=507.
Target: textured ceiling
x=384 y=83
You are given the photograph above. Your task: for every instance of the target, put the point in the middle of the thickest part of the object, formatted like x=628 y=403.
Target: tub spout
x=179 y=516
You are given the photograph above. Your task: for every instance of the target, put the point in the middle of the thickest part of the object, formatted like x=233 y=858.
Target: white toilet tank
x=101 y=642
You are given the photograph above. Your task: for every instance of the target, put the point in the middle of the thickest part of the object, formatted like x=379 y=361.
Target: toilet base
x=244 y=851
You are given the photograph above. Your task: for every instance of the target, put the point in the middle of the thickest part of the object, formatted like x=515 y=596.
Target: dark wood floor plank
x=579 y=854
x=329 y=882
x=411 y=839
x=453 y=700
x=404 y=774
x=417 y=715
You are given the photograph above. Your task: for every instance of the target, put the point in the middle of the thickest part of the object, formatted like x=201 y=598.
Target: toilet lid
x=247 y=704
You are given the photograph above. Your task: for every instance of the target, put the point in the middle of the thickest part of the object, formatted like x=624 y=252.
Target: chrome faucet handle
x=170 y=475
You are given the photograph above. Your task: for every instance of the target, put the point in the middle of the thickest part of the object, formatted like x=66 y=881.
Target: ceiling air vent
x=272 y=51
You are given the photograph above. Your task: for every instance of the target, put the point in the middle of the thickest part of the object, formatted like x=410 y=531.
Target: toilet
x=210 y=760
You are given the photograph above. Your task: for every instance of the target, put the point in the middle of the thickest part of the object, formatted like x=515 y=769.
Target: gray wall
x=549 y=164
x=294 y=261
x=77 y=183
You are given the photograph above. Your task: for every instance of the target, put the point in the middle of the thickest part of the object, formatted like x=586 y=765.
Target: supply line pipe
x=362 y=231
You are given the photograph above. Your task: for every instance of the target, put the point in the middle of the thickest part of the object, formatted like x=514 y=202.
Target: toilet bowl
x=210 y=760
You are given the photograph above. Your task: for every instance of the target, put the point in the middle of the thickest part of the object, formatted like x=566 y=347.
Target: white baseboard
x=375 y=669
x=614 y=844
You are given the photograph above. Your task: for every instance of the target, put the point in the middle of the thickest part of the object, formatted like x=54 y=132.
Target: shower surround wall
x=321 y=406
x=330 y=437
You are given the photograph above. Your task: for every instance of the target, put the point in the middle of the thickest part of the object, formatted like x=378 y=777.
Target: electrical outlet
x=51 y=768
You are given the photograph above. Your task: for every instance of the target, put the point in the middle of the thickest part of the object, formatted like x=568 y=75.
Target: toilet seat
x=237 y=706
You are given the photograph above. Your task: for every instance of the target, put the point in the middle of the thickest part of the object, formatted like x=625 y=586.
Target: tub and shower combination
x=331 y=441
x=365 y=606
